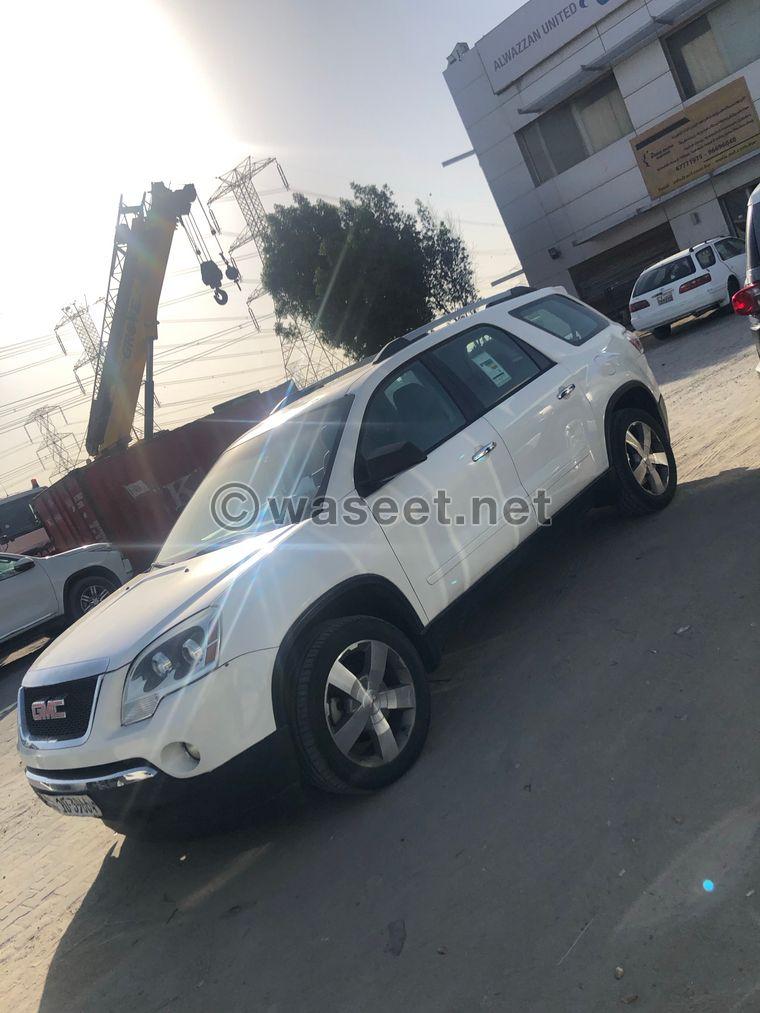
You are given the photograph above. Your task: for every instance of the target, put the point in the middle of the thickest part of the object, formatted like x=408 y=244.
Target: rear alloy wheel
x=643 y=463
x=362 y=705
x=88 y=592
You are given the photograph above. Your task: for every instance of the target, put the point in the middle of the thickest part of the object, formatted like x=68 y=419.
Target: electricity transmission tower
x=305 y=357
x=81 y=320
x=53 y=444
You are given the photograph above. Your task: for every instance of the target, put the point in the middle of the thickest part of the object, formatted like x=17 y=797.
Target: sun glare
x=101 y=99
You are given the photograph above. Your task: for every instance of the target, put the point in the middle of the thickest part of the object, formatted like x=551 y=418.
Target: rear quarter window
x=562 y=317
x=728 y=248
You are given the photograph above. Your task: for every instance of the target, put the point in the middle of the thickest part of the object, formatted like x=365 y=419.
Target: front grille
x=77 y=697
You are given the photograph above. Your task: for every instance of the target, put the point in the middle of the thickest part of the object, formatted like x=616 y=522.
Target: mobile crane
x=142 y=244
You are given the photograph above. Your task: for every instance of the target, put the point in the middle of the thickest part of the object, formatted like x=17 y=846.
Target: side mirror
x=385 y=464
x=23 y=564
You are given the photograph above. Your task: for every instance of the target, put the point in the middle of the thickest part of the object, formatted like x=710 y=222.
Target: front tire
x=643 y=463
x=87 y=592
x=360 y=705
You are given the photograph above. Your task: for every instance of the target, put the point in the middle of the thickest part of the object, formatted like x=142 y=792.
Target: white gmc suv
x=288 y=622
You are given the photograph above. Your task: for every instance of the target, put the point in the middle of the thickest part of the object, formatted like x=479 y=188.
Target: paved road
x=593 y=759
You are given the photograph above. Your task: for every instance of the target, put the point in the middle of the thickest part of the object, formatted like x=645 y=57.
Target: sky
x=110 y=96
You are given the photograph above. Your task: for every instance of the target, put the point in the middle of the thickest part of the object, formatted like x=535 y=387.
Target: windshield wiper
x=204 y=550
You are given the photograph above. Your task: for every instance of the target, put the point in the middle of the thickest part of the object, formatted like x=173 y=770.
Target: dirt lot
x=593 y=760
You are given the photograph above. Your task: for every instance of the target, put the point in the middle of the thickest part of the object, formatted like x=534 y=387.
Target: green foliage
x=364 y=272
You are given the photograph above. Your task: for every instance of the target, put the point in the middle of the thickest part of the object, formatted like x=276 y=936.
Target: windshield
x=664 y=274
x=271 y=480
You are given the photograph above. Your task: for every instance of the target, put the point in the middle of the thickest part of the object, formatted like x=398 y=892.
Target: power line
x=305 y=357
x=29 y=365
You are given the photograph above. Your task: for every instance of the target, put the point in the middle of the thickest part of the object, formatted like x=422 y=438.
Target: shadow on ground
x=697 y=344
x=15 y=657
x=593 y=758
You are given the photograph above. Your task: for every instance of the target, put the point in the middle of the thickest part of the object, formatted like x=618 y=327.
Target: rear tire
x=733 y=288
x=643 y=465
x=661 y=333
x=87 y=592
x=360 y=705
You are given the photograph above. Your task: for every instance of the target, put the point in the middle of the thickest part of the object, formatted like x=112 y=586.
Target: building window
x=575 y=130
x=715 y=45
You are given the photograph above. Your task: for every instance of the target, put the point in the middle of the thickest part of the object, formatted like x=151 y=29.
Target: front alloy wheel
x=360 y=704
x=87 y=593
x=92 y=595
x=370 y=704
x=647 y=458
x=643 y=466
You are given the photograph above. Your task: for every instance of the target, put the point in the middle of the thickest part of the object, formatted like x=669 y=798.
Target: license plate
x=72 y=805
x=664 y=297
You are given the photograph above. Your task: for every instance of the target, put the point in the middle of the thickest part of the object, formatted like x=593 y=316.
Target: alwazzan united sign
x=535 y=32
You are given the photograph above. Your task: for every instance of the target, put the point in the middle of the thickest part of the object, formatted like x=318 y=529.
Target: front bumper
x=220 y=715
x=134 y=794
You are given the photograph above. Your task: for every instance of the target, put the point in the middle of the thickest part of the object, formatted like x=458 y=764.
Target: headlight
x=178 y=657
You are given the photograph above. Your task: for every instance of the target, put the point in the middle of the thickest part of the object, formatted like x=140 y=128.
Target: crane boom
x=130 y=323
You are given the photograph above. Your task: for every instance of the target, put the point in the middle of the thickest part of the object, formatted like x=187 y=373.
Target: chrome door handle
x=564 y=392
x=483 y=451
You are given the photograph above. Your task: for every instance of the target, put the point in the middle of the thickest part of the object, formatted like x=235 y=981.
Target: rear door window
x=490 y=363
x=665 y=274
x=562 y=317
x=706 y=257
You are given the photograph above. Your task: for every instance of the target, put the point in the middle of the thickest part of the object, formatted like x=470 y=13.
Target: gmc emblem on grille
x=47 y=710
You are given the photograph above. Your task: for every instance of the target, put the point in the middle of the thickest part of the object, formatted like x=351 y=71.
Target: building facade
x=613 y=133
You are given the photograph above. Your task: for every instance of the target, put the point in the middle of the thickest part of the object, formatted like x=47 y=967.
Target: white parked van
x=690 y=283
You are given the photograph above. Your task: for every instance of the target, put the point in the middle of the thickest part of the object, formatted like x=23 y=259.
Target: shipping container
x=131 y=498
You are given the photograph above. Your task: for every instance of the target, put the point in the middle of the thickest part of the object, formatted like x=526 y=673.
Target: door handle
x=483 y=451
x=564 y=392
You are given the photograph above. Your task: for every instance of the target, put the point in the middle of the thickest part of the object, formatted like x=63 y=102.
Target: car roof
x=21 y=495
x=351 y=379
x=684 y=253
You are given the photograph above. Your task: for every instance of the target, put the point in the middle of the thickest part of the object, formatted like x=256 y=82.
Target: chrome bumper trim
x=66 y=786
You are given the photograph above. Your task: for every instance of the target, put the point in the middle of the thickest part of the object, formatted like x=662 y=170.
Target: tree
x=365 y=271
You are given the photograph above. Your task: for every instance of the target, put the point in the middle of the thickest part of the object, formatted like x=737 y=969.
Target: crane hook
x=211 y=275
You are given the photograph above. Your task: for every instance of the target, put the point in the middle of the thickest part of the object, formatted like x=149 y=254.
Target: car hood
x=115 y=632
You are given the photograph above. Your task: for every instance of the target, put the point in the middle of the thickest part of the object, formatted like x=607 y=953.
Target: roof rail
x=398 y=344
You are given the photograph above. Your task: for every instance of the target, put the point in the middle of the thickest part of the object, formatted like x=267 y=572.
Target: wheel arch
x=87 y=571
x=631 y=395
x=369 y=594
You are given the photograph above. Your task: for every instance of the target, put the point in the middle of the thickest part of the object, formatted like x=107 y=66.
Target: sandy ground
x=592 y=761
